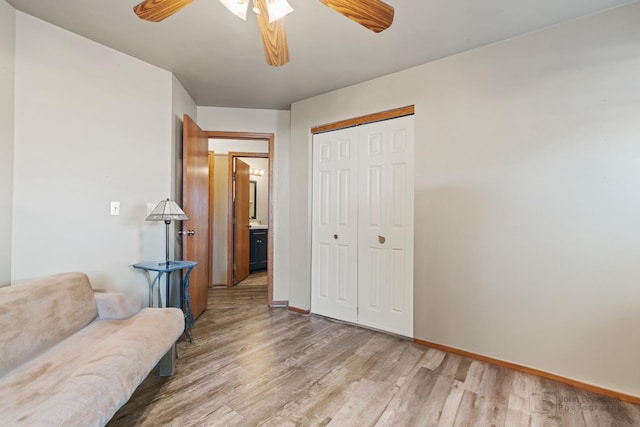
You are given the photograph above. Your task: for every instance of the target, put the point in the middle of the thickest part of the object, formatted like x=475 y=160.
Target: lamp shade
x=167 y=210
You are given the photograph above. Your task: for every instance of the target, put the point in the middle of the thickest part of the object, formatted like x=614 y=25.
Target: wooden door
x=195 y=203
x=241 y=222
x=385 y=225
x=334 y=272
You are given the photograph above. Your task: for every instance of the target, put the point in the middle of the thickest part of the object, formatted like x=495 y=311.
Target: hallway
x=251 y=291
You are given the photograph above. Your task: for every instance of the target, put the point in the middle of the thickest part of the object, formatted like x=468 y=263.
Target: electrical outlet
x=115 y=208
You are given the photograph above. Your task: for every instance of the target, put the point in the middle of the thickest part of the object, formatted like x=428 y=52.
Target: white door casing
x=335 y=231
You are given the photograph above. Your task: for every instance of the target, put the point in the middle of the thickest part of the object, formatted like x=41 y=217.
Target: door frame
x=252 y=136
x=232 y=156
x=212 y=163
x=363 y=120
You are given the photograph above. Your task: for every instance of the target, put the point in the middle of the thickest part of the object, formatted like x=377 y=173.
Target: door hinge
x=233 y=176
x=234 y=267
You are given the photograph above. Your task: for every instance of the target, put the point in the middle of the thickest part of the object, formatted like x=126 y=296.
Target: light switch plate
x=115 y=208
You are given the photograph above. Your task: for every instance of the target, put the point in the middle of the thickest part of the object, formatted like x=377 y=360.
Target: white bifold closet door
x=334 y=259
x=362 y=241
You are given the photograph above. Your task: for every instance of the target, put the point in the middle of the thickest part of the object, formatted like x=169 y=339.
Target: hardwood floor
x=252 y=365
x=251 y=291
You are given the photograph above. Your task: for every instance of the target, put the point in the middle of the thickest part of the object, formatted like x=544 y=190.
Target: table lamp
x=167 y=211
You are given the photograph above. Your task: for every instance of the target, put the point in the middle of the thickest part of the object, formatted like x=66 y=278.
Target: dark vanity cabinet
x=258 y=249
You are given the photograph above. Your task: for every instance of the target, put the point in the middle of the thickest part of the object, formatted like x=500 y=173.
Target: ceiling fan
x=375 y=15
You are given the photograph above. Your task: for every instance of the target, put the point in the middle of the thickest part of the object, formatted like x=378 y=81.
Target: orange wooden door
x=241 y=227
x=195 y=203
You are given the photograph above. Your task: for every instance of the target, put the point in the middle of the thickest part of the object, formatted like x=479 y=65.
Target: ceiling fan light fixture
x=256 y=9
x=375 y=15
x=237 y=7
x=278 y=9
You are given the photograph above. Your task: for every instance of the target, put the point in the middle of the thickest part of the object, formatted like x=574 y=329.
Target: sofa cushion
x=115 y=306
x=38 y=314
x=85 y=379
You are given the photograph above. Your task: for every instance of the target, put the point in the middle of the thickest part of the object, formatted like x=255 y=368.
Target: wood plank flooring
x=252 y=365
x=251 y=291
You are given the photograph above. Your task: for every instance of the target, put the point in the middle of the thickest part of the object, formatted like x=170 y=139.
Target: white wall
x=92 y=126
x=181 y=104
x=527 y=241
x=7 y=81
x=223 y=146
x=264 y=121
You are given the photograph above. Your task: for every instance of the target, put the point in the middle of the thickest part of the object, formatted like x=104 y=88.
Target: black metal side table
x=165 y=267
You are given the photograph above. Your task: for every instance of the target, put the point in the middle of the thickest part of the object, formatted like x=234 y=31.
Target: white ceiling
x=218 y=58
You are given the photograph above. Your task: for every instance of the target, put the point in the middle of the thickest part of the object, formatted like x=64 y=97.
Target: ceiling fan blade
x=375 y=15
x=274 y=39
x=157 y=10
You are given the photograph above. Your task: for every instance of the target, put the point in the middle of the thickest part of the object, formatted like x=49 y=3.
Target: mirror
x=252 y=199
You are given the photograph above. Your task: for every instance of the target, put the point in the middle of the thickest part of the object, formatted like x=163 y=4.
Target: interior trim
x=232 y=156
x=369 y=118
x=270 y=138
x=279 y=303
x=298 y=310
x=211 y=162
x=564 y=380
x=238 y=135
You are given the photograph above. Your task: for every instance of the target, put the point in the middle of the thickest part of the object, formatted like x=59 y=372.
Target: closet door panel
x=373 y=289
x=324 y=199
x=399 y=196
x=323 y=268
x=385 y=227
x=344 y=281
x=398 y=281
x=373 y=196
x=334 y=274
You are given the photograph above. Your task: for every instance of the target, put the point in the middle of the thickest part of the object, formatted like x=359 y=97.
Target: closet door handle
x=381 y=240
x=335 y=236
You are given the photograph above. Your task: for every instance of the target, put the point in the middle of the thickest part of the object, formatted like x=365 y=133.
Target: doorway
x=248 y=201
x=245 y=139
